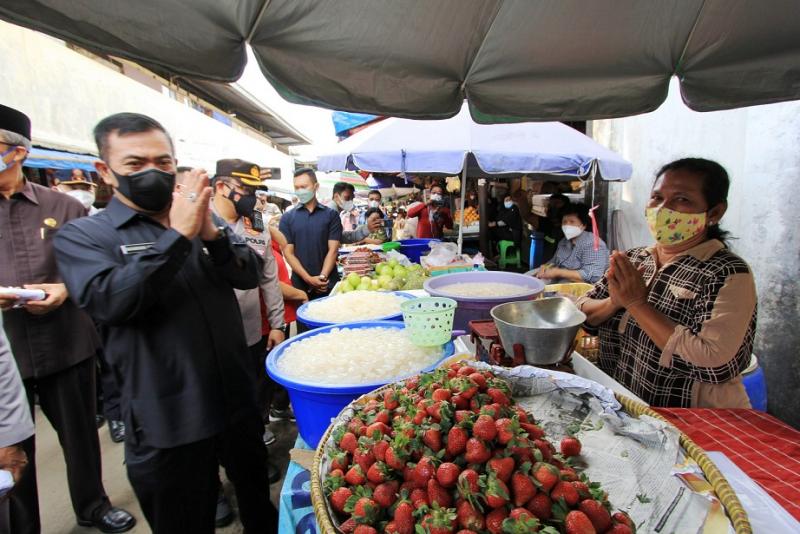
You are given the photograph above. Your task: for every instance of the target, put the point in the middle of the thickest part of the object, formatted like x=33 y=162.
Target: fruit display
x=471 y=216
x=387 y=276
x=451 y=452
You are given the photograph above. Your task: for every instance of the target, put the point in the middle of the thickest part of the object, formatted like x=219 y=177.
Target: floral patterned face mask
x=670 y=227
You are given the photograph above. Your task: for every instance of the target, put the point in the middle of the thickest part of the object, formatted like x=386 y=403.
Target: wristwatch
x=220 y=233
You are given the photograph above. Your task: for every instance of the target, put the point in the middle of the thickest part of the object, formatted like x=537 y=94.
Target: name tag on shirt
x=135 y=248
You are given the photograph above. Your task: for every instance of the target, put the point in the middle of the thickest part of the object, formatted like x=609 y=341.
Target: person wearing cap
x=158 y=271
x=53 y=341
x=79 y=186
x=235 y=201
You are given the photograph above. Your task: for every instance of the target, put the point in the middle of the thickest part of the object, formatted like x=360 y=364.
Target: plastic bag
x=401 y=258
x=441 y=254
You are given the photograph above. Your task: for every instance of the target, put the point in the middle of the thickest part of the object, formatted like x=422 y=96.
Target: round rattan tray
x=723 y=490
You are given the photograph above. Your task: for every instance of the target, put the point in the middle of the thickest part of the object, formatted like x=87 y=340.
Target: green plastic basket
x=429 y=320
x=391 y=245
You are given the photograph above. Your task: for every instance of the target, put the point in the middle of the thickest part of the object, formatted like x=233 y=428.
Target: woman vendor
x=676 y=320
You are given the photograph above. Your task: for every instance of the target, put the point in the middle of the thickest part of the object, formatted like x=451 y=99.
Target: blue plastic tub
x=316 y=405
x=756 y=385
x=311 y=323
x=413 y=248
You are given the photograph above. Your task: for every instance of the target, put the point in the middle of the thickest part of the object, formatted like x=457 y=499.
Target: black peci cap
x=15 y=121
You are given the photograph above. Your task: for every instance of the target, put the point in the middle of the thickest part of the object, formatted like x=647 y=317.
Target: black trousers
x=177 y=488
x=67 y=399
x=269 y=394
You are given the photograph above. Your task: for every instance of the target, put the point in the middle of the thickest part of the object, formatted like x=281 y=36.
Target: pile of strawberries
x=450 y=452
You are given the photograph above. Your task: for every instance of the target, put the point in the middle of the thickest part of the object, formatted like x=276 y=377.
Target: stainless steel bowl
x=545 y=328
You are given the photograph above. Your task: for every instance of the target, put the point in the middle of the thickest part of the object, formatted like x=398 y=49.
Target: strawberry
x=503 y=467
x=423 y=472
x=469 y=517
x=447 y=474
x=545 y=448
x=349 y=442
x=522 y=487
x=466 y=370
x=365 y=529
x=341 y=461
x=568 y=473
x=583 y=490
x=597 y=514
x=546 y=475
x=439 y=521
x=355 y=476
x=523 y=416
x=466 y=531
x=619 y=528
x=494 y=520
x=390 y=401
x=459 y=402
x=378 y=473
x=386 y=494
x=365 y=511
x=534 y=431
x=440 y=411
x=520 y=521
x=464 y=415
x=506 y=430
x=456 y=441
x=349 y=526
x=477 y=452
x=377 y=430
x=498 y=396
x=432 y=437
x=541 y=506
x=441 y=394
x=570 y=446
x=419 y=498
x=468 y=484
x=577 y=522
x=625 y=519
x=479 y=380
x=355 y=426
x=484 y=428
x=439 y=495
x=412 y=383
x=566 y=491
x=379 y=450
x=496 y=492
x=364 y=458
x=383 y=416
x=404 y=518
x=339 y=499
x=395 y=458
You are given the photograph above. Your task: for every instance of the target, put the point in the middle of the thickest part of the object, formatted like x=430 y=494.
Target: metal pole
x=463 y=197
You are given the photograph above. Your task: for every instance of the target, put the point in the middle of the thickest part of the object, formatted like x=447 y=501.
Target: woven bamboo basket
x=723 y=490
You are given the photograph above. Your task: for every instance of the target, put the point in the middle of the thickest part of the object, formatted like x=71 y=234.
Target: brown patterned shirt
x=710 y=293
x=49 y=343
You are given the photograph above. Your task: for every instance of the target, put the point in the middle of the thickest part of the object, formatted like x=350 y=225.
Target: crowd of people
x=180 y=287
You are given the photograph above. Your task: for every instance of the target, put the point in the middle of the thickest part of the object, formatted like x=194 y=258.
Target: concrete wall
x=760 y=148
x=66 y=93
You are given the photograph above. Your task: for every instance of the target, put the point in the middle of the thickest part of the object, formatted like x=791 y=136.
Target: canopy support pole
x=463 y=199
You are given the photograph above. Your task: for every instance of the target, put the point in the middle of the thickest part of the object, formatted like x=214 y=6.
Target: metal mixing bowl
x=545 y=328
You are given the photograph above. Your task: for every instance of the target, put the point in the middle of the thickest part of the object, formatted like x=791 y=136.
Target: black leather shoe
x=99 y=420
x=116 y=429
x=224 y=515
x=114 y=520
x=273 y=473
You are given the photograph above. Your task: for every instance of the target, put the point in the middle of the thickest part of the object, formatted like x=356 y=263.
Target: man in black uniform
x=158 y=275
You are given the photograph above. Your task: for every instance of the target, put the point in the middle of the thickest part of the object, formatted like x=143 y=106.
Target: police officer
x=158 y=273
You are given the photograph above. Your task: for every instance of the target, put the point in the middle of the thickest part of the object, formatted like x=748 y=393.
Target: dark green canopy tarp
x=511 y=59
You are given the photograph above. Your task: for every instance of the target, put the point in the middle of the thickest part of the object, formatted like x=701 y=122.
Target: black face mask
x=150 y=189
x=245 y=205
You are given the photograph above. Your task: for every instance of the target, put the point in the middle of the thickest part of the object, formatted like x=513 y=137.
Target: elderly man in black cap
x=54 y=343
x=157 y=272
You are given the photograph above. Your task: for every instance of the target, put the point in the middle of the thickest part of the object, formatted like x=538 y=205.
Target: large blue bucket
x=413 y=248
x=316 y=405
x=756 y=385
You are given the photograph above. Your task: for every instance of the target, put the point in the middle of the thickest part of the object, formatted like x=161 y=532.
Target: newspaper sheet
x=634 y=459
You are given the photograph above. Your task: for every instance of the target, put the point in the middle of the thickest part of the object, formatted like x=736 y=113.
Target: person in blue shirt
x=576 y=260
x=313 y=233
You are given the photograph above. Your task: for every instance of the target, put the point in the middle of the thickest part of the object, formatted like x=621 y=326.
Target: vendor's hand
x=501 y=223
x=8 y=301
x=275 y=338
x=626 y=286
x=374 y=223
x=546 y=272
x=55 y=295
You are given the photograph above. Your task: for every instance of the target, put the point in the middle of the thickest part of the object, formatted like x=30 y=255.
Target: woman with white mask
x=576 y=259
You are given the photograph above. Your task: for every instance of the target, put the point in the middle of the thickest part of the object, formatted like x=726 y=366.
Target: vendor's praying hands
x=626 y=285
